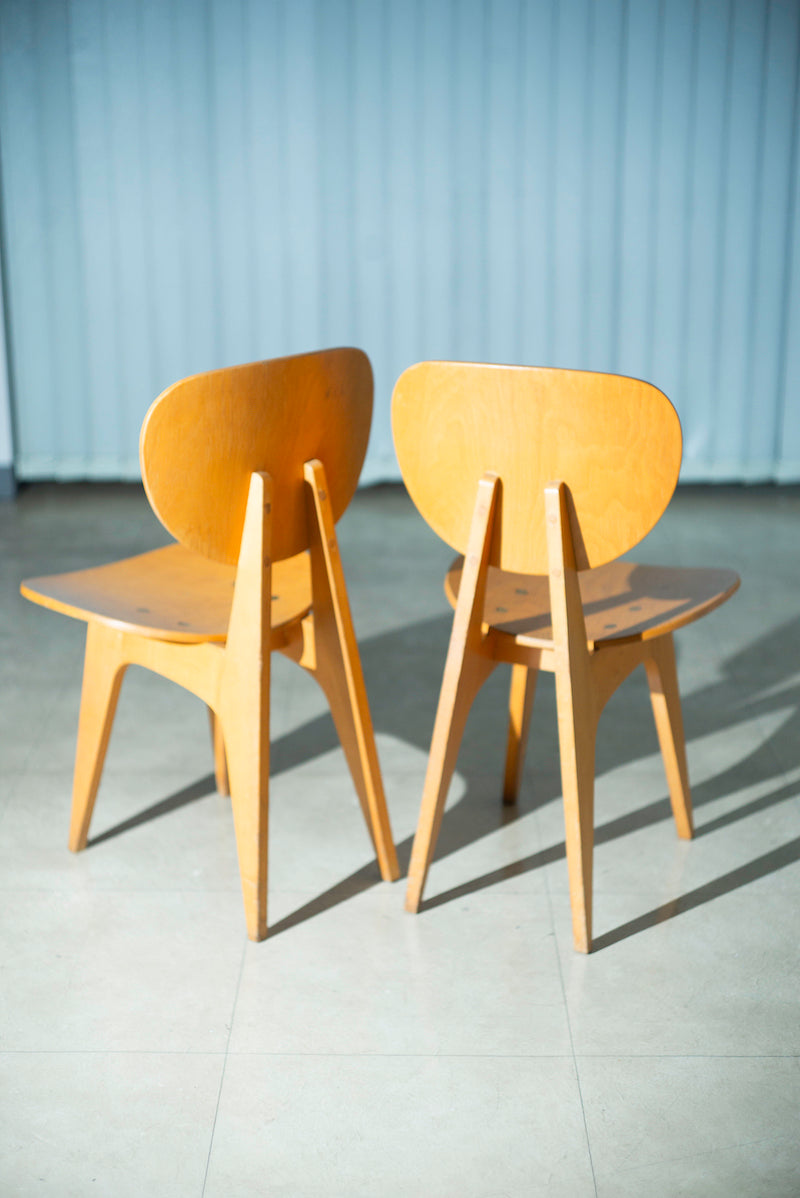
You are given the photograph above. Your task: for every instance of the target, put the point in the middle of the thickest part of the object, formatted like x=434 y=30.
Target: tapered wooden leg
x=465 y=671
x=103 y=672
x=520 y=707
x=243 y=707
x=220 y=762
x=577 y=726
x=662 y=677
x=463 y=678
x=578 y=703
x=247 y=739
x=338 y=670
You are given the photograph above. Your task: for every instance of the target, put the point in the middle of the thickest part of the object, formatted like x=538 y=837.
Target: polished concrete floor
x=147 y=1048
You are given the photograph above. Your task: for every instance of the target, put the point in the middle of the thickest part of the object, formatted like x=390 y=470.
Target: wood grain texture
x=520 y=710
x=210 y=626
x=577 y=711
x=171 y=593
x=220 y=758
x=621 y=600
x=465 y=671
x=337 y=668
x=242 y=706
x=590 y=626
x=103 y=670
x=662 y=678
x=204 y=436
x=454 y=421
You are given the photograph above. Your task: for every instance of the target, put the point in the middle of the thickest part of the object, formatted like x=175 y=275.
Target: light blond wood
x=243 y=704
x=465 y=671
x=621 y=601
x=210 y=627
x=170 y=593
x=103 y=671
x=577 y=711
x=520 y=709
x=590 y=627
x=453 y=421
x=220 y=760
x=339 y=673
x=662 y=677
x=213 y=430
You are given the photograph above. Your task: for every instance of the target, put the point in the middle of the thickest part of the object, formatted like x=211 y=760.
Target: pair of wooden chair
x=250 y=468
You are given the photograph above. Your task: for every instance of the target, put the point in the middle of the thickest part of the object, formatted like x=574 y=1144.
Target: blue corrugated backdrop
x=609 y=184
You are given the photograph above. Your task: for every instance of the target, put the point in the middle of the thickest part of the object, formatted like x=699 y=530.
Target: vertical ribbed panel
x=608 y=184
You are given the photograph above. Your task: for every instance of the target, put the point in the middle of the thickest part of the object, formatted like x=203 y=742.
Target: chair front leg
x=520 y=708
x=103 y=671
x=662 y=678
x=220 y=761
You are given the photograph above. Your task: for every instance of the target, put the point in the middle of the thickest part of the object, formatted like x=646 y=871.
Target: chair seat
x=621 y=601
x=171 y=594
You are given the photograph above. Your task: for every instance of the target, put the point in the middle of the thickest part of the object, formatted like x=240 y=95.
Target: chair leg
x=246 y=731
x=337 y=667
x=465 y=671
x=243 y=704
x=662 y=677
x=103 y=672
x=520 y=707
x=220 y=761
x=338 y=671
x=464 y=675
x=577 y=728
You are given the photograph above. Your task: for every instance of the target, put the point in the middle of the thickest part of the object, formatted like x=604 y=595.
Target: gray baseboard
x=8 y=484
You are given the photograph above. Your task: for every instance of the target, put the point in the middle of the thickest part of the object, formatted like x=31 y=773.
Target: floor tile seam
x=402 y=1056
x=112 y=1052
x=88 y=891
x=224 y=1067
x=574 y=1058
x=229 y=1054
x=688 y=1056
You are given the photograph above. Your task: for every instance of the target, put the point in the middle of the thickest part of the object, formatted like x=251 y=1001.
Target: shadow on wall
x=403 y=670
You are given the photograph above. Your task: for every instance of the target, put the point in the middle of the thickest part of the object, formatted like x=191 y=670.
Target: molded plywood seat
x=249 y=468
x=541 y=480
x=621 y=601
x=171 y=594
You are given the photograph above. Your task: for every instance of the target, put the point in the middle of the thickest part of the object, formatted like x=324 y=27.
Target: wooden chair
x=541 y=479
x=249 y=469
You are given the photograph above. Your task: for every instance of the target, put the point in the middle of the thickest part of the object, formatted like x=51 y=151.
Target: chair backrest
x=615 y=441
x=205 y=435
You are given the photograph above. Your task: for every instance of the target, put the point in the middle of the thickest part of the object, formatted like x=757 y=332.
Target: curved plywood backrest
x=205 y=435
x=616 y=442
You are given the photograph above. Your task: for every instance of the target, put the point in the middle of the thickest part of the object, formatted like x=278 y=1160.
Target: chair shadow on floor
x=403 y=674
